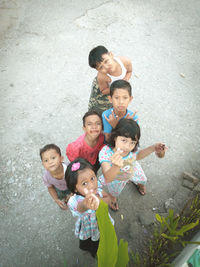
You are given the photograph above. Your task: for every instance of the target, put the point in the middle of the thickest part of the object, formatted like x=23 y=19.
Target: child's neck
x=59 y=173
x=91 y=142
x=117 y=70
x=120 y=114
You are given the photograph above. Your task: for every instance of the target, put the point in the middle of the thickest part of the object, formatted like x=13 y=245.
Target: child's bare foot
x=141 y=189
x=113 y=204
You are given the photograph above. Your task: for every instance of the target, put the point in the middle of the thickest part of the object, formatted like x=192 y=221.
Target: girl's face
x=86 y=180
x=125 y=144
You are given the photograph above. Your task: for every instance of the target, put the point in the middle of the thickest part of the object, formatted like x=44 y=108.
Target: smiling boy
x=89 y=144
x=110 y=69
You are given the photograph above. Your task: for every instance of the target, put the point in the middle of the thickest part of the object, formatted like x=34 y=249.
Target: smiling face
x=107 y=65
x=86 y=180
x=125 y=144
x=51 y=160
x=120 y=100
x=93 y=126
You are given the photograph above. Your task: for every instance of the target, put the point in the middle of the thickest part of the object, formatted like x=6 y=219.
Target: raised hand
x=91 y=201
x=128 y=116
x=112 y=119
x=160 y=149
x=117 y=159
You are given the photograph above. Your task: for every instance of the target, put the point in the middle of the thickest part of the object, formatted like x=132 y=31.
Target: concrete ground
x=45 y=82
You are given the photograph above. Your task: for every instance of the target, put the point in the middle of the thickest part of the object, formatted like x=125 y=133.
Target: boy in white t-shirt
x=54 y=176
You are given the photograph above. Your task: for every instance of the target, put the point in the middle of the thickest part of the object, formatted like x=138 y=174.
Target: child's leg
x=98 y=101
x=85 y=244
x=139 y=178
x=94 y=247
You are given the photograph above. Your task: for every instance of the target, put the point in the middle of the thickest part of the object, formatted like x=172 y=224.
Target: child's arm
x=128 y=65
x=158 y=147
x=103 y=82
x=110 y=172
x=54 y=195
x=89 y=202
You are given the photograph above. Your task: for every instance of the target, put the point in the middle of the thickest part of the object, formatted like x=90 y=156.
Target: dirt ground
x=45 y=83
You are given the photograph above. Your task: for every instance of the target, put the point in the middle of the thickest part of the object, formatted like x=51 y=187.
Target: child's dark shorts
x=62 y=193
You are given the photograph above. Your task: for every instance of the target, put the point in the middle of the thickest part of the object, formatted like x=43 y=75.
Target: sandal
x=141 y=189
x=114 y=206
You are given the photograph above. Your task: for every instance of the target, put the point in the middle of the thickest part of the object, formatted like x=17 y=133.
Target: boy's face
x=107 y=64
x=93 y=126
x=51 y=160
x=120 y=100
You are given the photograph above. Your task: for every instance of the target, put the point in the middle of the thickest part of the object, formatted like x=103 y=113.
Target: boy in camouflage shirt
x=110 y=69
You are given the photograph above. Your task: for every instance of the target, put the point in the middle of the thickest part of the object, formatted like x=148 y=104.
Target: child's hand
x=61 y=204
x=160 y=149
x=91 y=201
x=117 y=159
x=112 y=119
x=128 y=116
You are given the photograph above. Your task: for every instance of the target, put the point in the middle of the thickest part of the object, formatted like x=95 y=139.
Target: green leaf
x=108 y=248
x=172 y=238
x=123 y=257
x=187 y=227
x=158 y=218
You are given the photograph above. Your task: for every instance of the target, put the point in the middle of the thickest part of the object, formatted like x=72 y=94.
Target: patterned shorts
x=98 y=101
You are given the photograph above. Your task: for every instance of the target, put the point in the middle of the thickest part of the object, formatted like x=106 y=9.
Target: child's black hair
x=71 y=177
x=95 y=56
x=92 y=112
x=48 y=147
x=120 y=84
x=127 y=128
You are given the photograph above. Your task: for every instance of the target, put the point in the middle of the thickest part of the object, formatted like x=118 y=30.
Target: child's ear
x=131 y=98
x=111 y=54
x=110 y=99
x=84 y=129
x=62 y=158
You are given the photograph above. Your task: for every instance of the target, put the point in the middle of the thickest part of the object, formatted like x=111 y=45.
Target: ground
x=45 y=84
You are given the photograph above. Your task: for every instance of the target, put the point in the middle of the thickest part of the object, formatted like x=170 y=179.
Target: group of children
x=110 y=141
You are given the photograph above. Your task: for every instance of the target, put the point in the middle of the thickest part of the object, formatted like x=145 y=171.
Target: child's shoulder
x=126 y=61
x=102 y=77
x=76 y=143
x=107 y=112
x=106 y=149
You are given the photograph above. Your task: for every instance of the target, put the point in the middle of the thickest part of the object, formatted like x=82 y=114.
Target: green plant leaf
x=172 y=238
x=123 y=257
x=158 y=218
x=108 y=248
x=187 y=227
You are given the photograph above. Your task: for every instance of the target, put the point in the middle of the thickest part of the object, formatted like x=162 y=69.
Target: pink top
x=80 y=148
x=49 y=180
